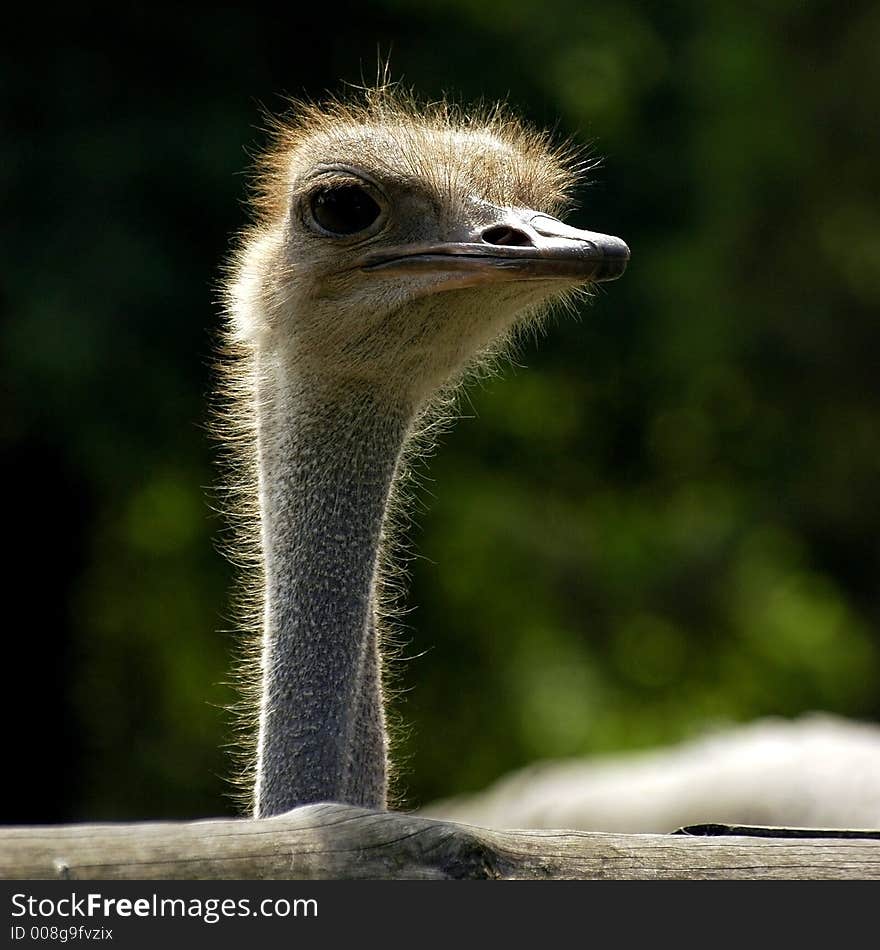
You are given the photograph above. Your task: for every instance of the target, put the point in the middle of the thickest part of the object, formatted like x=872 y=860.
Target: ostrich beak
x=524 y=245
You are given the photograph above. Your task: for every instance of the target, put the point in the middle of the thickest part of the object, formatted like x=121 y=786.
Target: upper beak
x=527 y=245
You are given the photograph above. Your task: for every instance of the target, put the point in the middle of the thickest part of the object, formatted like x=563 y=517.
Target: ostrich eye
x=344 y=209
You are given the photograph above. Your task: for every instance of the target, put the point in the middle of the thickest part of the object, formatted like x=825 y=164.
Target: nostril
x=507 y=237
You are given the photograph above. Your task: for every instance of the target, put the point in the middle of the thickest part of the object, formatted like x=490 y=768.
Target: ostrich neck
x=327 y=455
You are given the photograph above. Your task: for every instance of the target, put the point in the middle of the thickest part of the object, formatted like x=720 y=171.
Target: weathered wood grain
x=339 y=841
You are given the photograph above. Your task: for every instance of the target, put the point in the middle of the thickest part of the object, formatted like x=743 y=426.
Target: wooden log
x=338 y=841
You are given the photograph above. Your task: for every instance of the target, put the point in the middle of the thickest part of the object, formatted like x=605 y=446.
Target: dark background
x=669 y=519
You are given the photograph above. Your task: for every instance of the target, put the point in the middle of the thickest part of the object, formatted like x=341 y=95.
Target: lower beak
x=539 y=248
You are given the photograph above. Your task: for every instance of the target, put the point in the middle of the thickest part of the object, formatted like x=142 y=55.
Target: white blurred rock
x=816 y=771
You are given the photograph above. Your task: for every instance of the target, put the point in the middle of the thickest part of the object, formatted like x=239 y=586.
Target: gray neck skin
x=327 y=457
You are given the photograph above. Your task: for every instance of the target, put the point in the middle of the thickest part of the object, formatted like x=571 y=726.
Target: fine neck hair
x=327 y=454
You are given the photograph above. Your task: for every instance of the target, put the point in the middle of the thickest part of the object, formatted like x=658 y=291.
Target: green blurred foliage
x=668 y=519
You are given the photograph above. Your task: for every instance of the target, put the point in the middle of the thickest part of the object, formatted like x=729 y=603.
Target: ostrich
x=393 y=247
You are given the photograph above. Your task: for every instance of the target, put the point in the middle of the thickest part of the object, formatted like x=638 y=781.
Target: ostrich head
x=392 y=247
x=396 y=245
